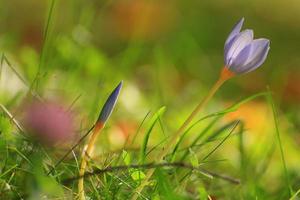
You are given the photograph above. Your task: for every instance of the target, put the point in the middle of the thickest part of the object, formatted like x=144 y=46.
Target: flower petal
x=240 y=59
x=258 y=54
x=240 y=42
x=236 y=30
x=227 y=48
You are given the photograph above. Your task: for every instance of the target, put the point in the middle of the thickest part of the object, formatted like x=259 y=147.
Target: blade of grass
x=73 y=102
x=157 y=145
x=201 y=144
x=70 y=150
x=45 y=40
x=7 y=171
x=12 y=118
x=209 y=139
x=164 y=187
x=4 y=58
x=266 y=163
x=138 y=129
x=33 y=93
x=217 y=147
x=200 y=136
x=21 y=154
x=295 y=195
x=274 y=111
x=232 y=108
x=243 y=156
x=1 y=63
x=236 y=106
x=162 y=141
x=211 y=152
x=153 y=121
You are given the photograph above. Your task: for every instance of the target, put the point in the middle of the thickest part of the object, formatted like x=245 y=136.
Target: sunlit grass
x=218 y=156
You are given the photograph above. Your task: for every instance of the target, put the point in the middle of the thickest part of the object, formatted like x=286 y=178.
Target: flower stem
x=85 y=156
x=225 y=75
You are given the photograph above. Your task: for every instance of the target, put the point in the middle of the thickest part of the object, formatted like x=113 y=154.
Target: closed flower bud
x=109 y=104
x=242 y=53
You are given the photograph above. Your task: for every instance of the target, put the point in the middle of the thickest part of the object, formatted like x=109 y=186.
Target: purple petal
x=109 y=104
x=241 y=59
x=240 y=42
x=236 y=30
x=227 y=48
x=258 y=54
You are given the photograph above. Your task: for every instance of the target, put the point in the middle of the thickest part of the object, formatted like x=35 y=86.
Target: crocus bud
x=109 y=104
x=48 y=122
x=242 y=53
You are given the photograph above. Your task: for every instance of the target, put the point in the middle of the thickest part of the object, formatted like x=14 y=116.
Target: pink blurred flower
x=48 y=122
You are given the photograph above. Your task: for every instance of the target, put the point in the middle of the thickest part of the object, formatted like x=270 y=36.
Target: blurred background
x=169 y=53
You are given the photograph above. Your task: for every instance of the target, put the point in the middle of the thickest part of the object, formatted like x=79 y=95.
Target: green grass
x=153 y=121
x=222 y=155
x=114 y=183
x=271 y=102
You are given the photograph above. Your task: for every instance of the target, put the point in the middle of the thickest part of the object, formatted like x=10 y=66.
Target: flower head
x=242 y=53
x=48 y=122
x=109 y=104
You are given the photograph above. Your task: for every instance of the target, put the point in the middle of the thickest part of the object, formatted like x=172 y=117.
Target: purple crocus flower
x=242 y=53
x=109 y=104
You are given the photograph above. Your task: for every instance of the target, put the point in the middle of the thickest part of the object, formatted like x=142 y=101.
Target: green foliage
x=77 y=51
x=166 y=188
x=271 y=102
x=152 y=123
x=6 y=128
x=193 y=158
x=126 y=157
x=202 y=193
x=137 y=175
